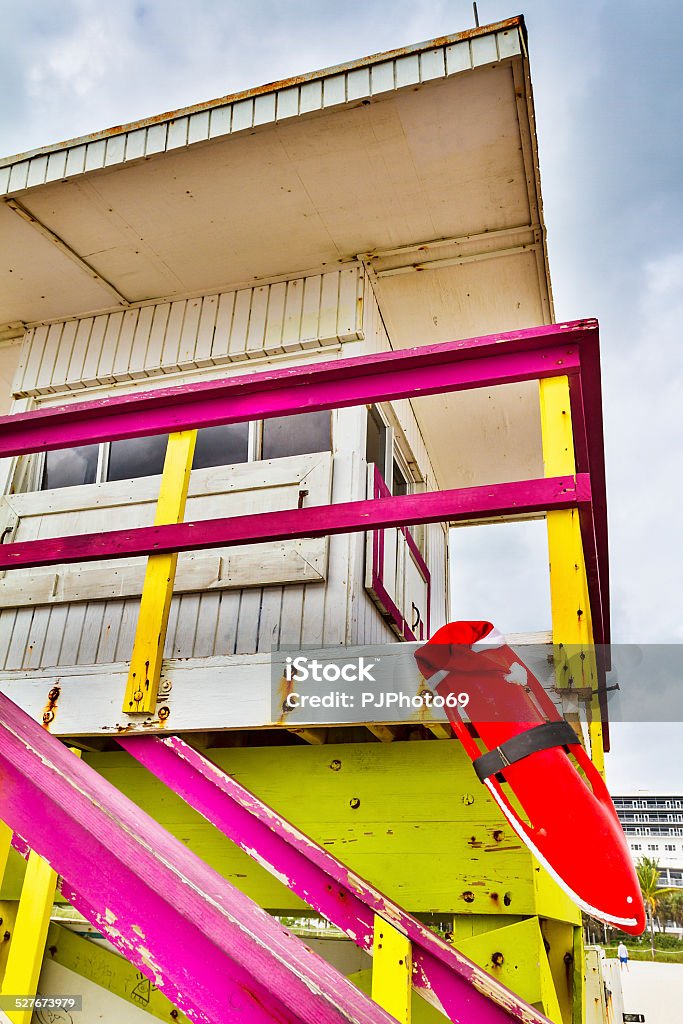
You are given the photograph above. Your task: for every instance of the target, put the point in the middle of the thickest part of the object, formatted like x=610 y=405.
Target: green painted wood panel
x=111 y=972
x=411 y=817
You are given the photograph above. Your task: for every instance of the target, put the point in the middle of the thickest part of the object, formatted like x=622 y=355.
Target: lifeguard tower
x=258 y=355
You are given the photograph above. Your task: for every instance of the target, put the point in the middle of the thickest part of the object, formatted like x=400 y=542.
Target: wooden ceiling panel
x=440 y=160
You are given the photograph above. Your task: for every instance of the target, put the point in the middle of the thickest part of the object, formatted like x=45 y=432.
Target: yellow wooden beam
x=579 y=1008
x=157 y=591
x=384 y=733
x=315 y=736
x=27 y=944
x=570 y=605
x=8 y=915
x=559 y=945
x=515 y=954
x=442 y=732
x=5 y=845
x=572 y=627
x=549 y=1002
x=392 y=969
x=27 y=947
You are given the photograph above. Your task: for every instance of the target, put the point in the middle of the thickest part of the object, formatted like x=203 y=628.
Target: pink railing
x=559 y=350
x=205 y=944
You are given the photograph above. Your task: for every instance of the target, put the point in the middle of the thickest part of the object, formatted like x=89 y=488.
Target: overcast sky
x=609 y=101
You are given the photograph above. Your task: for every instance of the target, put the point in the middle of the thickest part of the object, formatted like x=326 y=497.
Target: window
x=670 y=847
x=224 y=445
x=653 y=846
x=400 y=483
x=69 y=467
x=382 y=450
x=136 y=456
x=303 y=434
x=636 y=846
x=377 y=441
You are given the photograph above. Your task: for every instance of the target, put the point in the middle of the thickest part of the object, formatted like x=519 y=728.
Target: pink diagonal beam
x=434 y=369
x=462 y=504
x=209 y=948
x=445 y=978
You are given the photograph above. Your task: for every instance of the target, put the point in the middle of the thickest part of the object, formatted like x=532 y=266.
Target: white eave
x=330 y=87
x=419 y=159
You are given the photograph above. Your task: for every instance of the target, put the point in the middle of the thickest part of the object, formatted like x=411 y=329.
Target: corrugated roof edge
x=270 y=87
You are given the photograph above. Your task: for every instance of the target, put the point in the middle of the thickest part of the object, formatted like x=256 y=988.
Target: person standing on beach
x=622 y=953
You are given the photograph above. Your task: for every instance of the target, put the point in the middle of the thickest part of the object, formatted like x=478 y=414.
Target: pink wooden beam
x=209 y=948
x=458 y=505
x=444 y=977
x=586 y=398
x=433 y=369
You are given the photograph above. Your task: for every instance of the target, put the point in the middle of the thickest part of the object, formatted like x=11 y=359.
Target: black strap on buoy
x=541 y=737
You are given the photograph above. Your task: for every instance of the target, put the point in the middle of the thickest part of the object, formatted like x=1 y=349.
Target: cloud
x=92 y=65
x=643 y=386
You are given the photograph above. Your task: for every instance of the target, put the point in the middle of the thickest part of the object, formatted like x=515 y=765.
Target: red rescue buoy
x=572 y=826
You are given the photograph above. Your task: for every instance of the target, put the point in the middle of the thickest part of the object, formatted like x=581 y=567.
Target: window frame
x=36 y=469
x=258 y=439
x=378 y=413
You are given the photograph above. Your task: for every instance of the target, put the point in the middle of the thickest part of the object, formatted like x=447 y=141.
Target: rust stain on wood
x=50 y=709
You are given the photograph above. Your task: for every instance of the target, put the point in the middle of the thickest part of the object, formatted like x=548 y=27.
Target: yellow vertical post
x=550 y=1002
x=145 y=666
x=27 y=945
x=391 y=970
x=571 y=617
x=578 y=975
x=5 y=844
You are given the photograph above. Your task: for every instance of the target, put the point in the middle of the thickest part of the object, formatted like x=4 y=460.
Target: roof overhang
x=421 y=160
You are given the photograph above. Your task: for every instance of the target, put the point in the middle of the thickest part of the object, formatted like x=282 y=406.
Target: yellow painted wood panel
x=391 y=970
x=559 y=937
x=570 y=605
x=30 y=931
x=522 y=965
x=155 y=604
x=8 y=915
x=5 y=845
x=410 y=817
x=111 y=972
x=420 y=1011
x=515 y=955
x=13 y=878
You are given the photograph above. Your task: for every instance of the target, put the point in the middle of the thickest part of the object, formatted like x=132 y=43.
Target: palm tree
x=677 y=907
x=647 y=870
x=671 y=908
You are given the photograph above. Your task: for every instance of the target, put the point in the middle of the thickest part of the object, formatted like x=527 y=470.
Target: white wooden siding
x=214 y=622
x=243 y=112
x=235 y=692
x=368 y=625
x=266 y=486
x=211 y=330
x=218 y=618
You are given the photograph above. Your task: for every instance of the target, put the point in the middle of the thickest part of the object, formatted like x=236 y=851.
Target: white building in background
x=653 y=823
